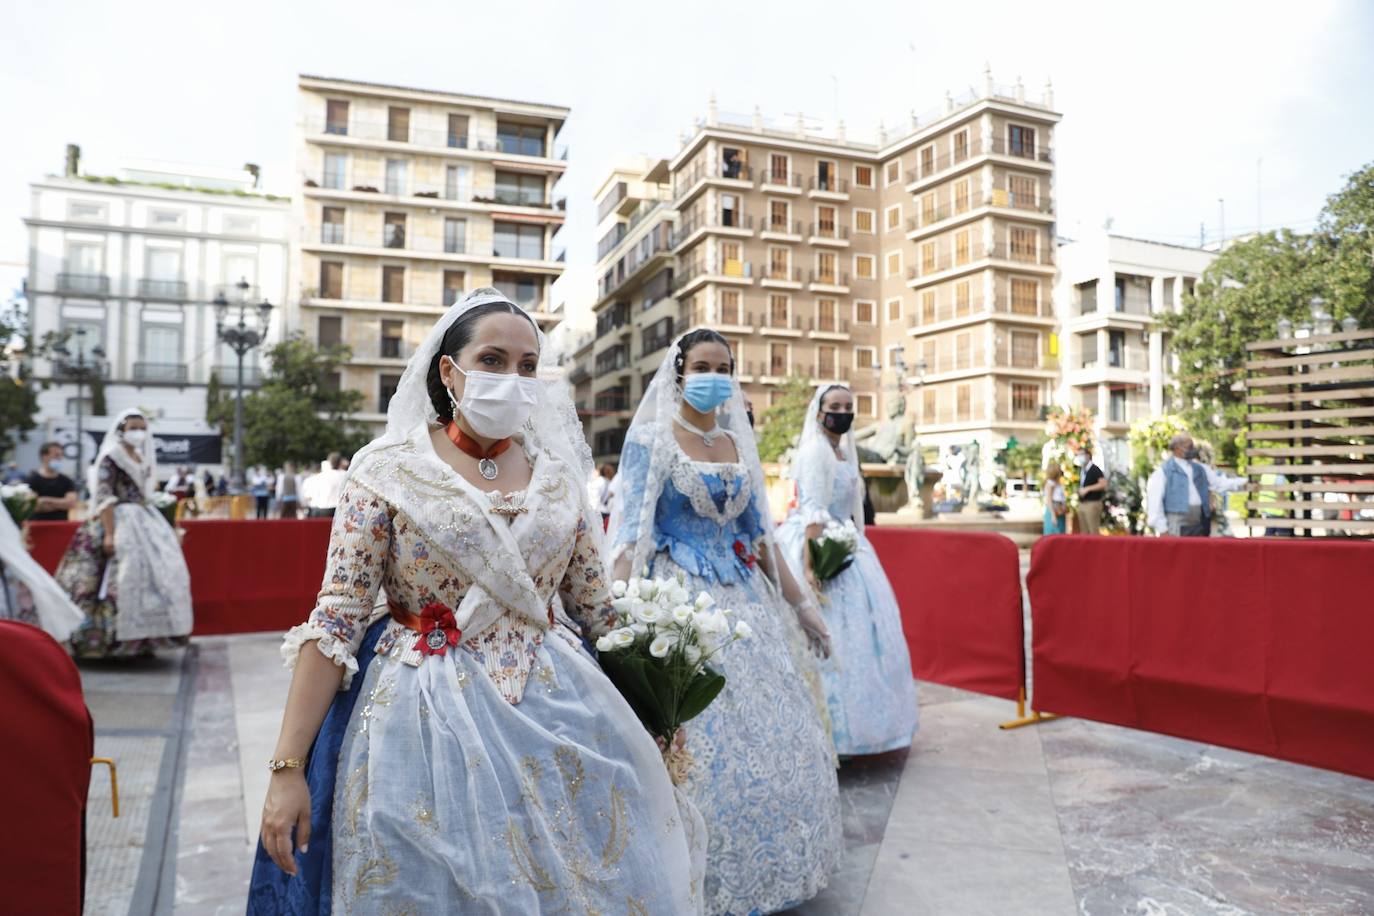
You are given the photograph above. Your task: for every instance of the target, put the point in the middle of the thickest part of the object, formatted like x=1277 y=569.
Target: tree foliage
x=1251 y=285
x=781 y=424
x=295 y=415
x=18 y=397
x=1023 y=458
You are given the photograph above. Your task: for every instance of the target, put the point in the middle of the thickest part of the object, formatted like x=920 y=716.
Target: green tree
x=781 y=424
x=296 y=415
x=1023 y=459
x=214 y=395
x=1250 y=286
x=18 y=398
x=98 y=405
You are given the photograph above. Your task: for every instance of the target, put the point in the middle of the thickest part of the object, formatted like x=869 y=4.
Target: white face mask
x=496 y=404
x=135 y=437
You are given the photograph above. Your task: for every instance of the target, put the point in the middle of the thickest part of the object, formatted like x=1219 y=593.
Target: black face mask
x=750 y=415
x=1191 y=453
x=838 y=423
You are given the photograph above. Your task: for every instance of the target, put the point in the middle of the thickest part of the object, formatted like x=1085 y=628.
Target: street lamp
x=241 y=338
x=82 y=371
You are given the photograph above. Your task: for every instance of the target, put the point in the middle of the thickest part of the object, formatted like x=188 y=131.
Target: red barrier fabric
x=45 y=773
x=246 y=575
x=960 y=595
x=1256 y=644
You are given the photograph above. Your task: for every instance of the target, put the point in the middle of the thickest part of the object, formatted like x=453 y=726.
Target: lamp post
x=82 y=371
x=241 y=338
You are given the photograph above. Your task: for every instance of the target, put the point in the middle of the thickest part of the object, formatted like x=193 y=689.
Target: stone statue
x=890 y=441
x=915 y=476
x=972 y=480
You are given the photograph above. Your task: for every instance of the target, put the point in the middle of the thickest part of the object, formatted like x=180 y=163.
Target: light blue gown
x=868 y=685
x=763 y=775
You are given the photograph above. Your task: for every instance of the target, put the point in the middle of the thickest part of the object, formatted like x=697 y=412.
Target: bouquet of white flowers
x=657 y=657
x=833 y=551
x=20 y=501
x=166 y=503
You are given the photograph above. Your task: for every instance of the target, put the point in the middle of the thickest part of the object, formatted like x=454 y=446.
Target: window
x=1023 y=243
x=963 y=303
x=1117 y=406
x=863 y=405
x=85 y=211
x=162 y=349
x=524 y=290
x=779 y=167
x=1025 y=401
x=959 y=146
x=1025 y=349
x=896 y=355
x=825 y=222
x=398 y=124
x=863 y=176
x=779 y=215
x=331 y=381
x=826 y=315
x=825 y=362
x=162 y=263
x=863 y=311
x=455 y=235
x=928 y=209
x=892 y=172
x=1021 y=141
x=863 y=357
x=1087 y=348
x=240 y=265
x=1023 y=189
x=329 y=331
x=863 y=266
x=731 y=259
x=928 y=306
x=963 y=399
x=930 y=405
x=826 y=175
x=928 y=354
x=863 y=221
x=730 y=308
x=335 y=117
x=1025 y=296
x=893 y=265
x=458 y=182
x=733 y=163
x=894 y=309
x=779 y=264
x=332 y=226
x=520 y=189
x=336 y=170
x=393 y=342
x=239 y=225
x=1116 y=349
x=893 y=217
x=825 y=268
x=454 y=281
x=961 y=195
x=779 y=311
x=396 y=176
x=778 y=359
x=386 y=390
x=520 y=139
x=393 y=284
x=927 y=160
x=167 y=219
x=331 y=279
x=963 y=351
x=961 y=247
x=393 y=230
x=729 y=210
x=1087 y=297
x=928 y=258
x=458 y=131
x=518 y=240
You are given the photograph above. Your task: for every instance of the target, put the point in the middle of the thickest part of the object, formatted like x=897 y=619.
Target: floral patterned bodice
x=113 y=484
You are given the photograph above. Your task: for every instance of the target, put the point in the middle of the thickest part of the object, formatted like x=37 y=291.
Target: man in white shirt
x=1178 y=496
x=322 y=491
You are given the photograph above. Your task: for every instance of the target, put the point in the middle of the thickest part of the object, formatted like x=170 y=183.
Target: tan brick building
x=923 y=265
x=409 y=197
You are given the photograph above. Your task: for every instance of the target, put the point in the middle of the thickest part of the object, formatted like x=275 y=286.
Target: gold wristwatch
x=290 y=763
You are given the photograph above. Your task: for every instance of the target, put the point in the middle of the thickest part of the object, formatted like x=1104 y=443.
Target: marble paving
x=1062 y=818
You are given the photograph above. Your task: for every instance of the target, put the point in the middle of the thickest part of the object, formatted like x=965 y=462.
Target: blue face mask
x=707 y=390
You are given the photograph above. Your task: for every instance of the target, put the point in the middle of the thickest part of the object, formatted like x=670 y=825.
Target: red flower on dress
x=438 y=629
x=745 y=557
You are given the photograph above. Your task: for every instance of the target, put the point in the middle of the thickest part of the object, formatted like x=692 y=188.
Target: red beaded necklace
x=468 y=446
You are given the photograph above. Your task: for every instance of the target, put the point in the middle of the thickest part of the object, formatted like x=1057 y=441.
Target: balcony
x=775 y=325
x=160 y=372
x=782 y=277
x=830 y=281
x=1013 y=357
x=781 y=230
x=229 y=375
x=735 y=321
x=1010 y=200
x=686 y=184
x=977 y=147
x=83 y=284
x=1022 y=254
x=379 y=131
x=828 y=325
x=162 y=289
x=612 y=400
x=828 y=188
x=739 y=271
x=781 y=183
x=385 y=349
x=737 y=224
x=828 y=234
x=579 y=374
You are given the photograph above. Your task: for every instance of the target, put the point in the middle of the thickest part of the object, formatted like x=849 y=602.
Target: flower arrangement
x=1069 y=429
x=20 y=501
x=833 y=552
x=166 y=503
x=657 y=657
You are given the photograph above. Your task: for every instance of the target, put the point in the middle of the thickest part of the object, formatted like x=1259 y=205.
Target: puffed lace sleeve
x=104 y=495
x=584 y=584
x=358 y=546
x=815 y=487
x=634 y=474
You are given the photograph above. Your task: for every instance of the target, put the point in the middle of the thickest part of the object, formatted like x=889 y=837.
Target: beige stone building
x=408 y=198
x=920 y=266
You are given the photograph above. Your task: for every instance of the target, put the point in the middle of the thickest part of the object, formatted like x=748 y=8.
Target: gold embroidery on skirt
x=356 y=789
x=614 y=849
x=378 y=872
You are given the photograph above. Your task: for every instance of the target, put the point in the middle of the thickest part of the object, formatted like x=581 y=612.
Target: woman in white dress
x=868 y=686
x=693 y=504
x=27 y=593
x=488 y=765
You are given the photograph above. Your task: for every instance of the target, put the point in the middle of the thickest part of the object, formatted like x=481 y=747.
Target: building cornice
x=386 y=90
x=77 y=226
x=132 y=189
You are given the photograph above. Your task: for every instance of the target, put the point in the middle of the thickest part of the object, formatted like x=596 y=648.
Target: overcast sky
x=1167 y=106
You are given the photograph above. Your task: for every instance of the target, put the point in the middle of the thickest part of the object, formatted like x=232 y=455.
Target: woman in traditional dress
x=693 y=505
x=27 y=593
x=488 y=766
x=124 y=568
x=868 y=687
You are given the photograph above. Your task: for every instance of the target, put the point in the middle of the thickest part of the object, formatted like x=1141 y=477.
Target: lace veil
x=56 y=613
x=141 y=470
x=652 y=428
x=815 y=464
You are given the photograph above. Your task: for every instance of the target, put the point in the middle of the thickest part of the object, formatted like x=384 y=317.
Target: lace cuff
x=331 y=647
x=811 y=517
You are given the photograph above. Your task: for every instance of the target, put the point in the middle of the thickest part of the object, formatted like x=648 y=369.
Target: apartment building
x=921 y=266
x=131 y=263
x=1111 y=291
x=408 y=198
